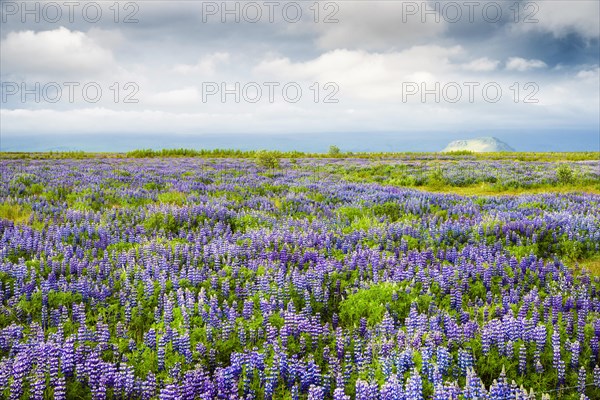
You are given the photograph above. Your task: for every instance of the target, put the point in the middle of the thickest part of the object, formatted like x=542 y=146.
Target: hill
x=478 y=145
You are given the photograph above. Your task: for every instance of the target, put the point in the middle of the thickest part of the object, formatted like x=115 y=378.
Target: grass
x=233 y=153
x=14 y=212
x=592 y=265
x=177 y=198
x=494 y=190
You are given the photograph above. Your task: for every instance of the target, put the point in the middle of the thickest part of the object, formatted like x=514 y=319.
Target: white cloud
x=106 y=38
x=206 y=65
x=56 y=52
x=589 y=74
x=561 y=17
x=179 y=97
x=522 y=64
x=483 y=64
x=377 y=25
x=276 y=118
x=564 y=101
x=365 y=75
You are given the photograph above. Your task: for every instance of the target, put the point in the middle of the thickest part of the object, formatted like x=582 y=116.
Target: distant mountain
x=479 y=145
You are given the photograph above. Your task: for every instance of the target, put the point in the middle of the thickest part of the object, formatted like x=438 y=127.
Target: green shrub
x=35 y=189
x=367 y=303
x=436 y=178
x=24 y=179
x=565 y=174
x=390 y=210
x=350 y=213
x=158 y=222
x=246 y=222
x=267 y=159
x=153 y=186
x=59 y=193
x=334 y=151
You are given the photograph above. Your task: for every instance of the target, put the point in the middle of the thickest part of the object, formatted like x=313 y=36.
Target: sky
x=364 y=75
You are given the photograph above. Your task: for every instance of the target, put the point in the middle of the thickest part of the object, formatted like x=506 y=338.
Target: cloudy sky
x=378 y=74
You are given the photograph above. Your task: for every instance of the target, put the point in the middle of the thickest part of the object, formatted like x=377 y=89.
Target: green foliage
x=231 y=153
x=246 y=222
x=571 y=249
x=15 y=212
x=350 y=213
x=436 y=178
x=368 y=303
x=161 y=222
x=35 y=189
x=217 y=153
x=533 y=204
x=24 y=179
x=153 y=186
x=390 y=210
x=276 y=320
x=363 y=223
x=477 y=290
x=57 y=194
x=172 y=198
x=121 y=247
x=565 y=174
x=334 y=151
x=547 y=247
x=267 y=159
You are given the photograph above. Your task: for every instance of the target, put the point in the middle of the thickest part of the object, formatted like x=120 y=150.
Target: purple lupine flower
x=555 y=349
x=522 y=359
x=19 y=371
x=575 y=349
x=581 y=378
x=362 y=390
x=316 y=393
x=392 y=389
x=161 y=353
x=38 y=384
x=338 y=394
x=539 y=368
x=561 y=373
x=60 y=389
x=414 y=386
x=169 y=392
x=149 y=386
x=474 y=388
x=150 y=338
x=444 y=359
x=465 y=361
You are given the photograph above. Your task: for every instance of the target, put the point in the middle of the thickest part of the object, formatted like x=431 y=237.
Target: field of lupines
x=191 y=278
